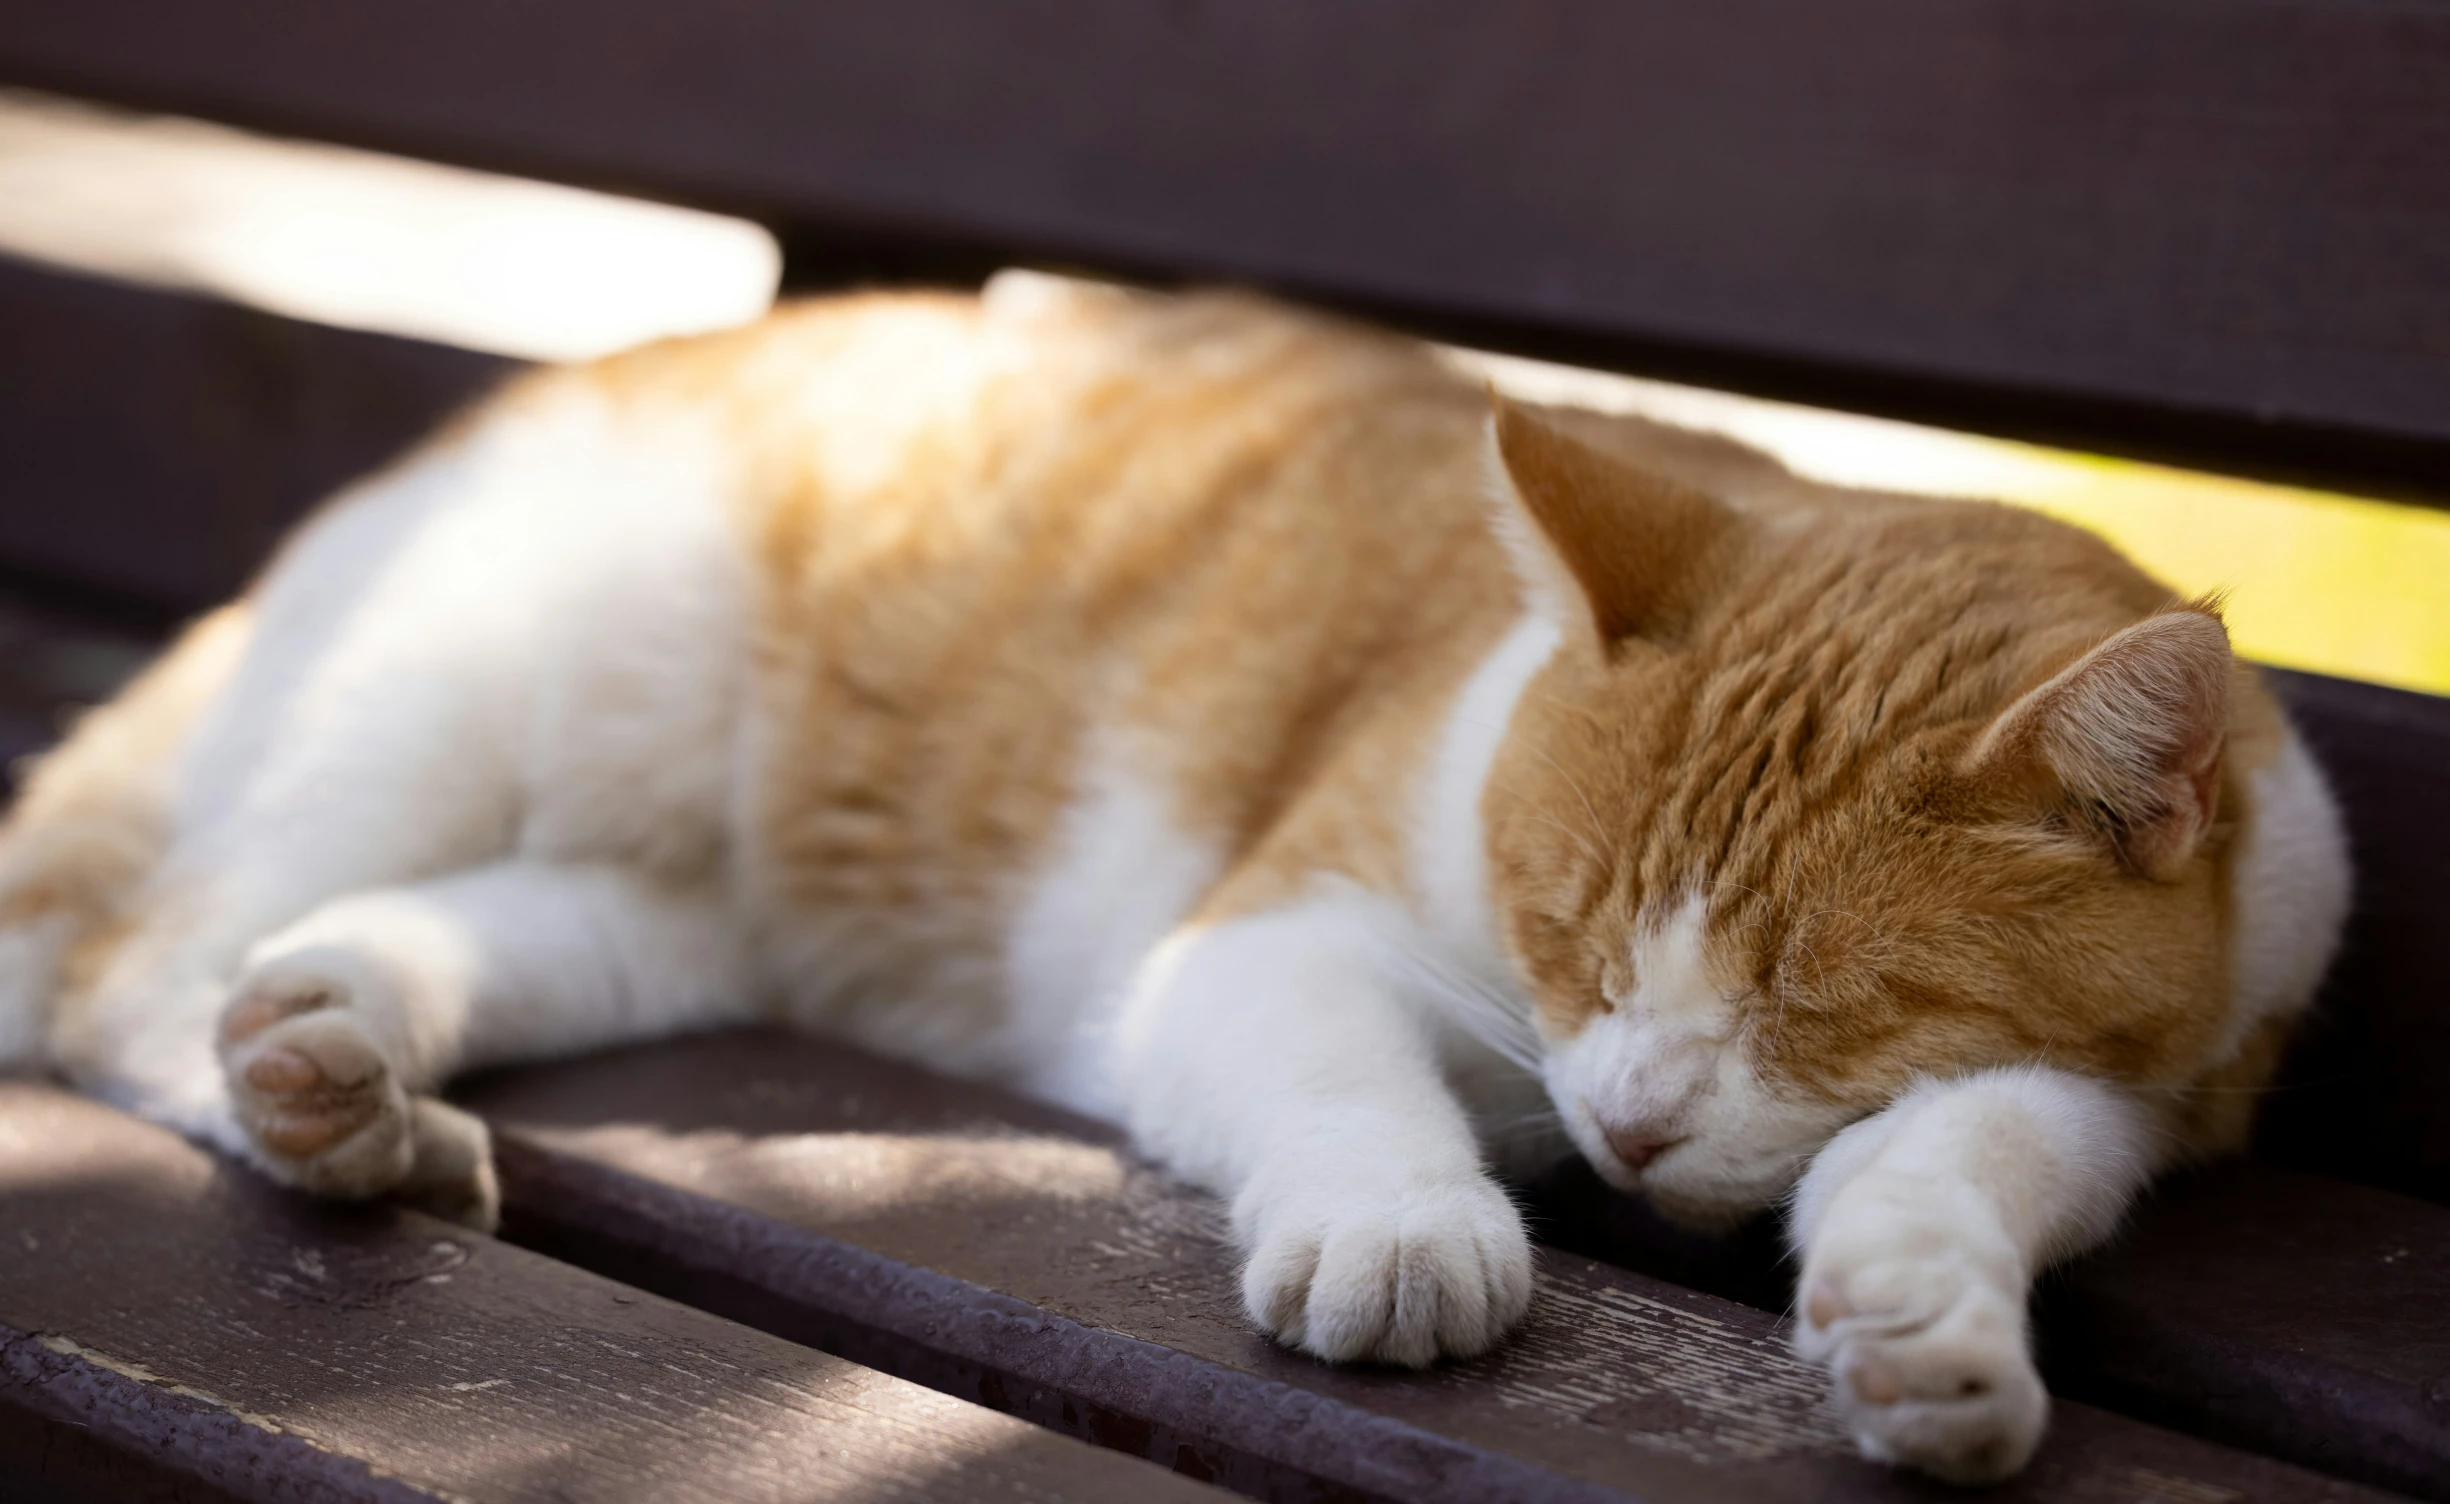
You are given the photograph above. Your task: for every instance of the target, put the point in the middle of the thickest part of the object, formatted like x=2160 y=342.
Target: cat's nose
x=1637 y=1144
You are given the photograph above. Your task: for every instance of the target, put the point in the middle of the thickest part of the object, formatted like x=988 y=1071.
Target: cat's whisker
x=1480 y=1010
x=1877 y=932
x=1541 y=814
x=1598 y=827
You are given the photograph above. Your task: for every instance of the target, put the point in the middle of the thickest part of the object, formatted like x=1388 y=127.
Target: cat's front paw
x=1360 y=1268
x=1927 y=1358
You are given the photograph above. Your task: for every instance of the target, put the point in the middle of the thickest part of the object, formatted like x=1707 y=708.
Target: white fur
x=2291 y=881
x=1666 y=1062
x=1122 y=874
x=450 y=667
x=517 y=961
x=1270 y=1060
x=1449 y=857
x=1921 y=1229
x=1549 y=588
x=29 y=973
x=1450 y=958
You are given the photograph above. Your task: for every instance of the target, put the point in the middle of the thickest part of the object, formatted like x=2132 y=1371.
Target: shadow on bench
x=172 y=1327
x=1010 y=1253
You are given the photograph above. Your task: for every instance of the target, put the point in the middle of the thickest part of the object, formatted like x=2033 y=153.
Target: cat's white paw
x=1364 y=1268
x=1927 y=1357
x=310 y=1086
x=325 y=1109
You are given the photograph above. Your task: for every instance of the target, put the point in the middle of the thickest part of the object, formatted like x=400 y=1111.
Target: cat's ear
x=1596 y=541
x=2130 y=737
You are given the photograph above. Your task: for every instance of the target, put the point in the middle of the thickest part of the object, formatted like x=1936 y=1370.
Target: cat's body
x=1199 y=715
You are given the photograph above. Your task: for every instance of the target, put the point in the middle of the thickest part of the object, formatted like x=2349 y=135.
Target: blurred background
x=2183 y=306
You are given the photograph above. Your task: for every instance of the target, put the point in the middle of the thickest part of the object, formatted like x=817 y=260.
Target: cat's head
x=1823 y=796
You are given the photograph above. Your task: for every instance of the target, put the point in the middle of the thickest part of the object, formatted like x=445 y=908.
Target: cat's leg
x=1267 y=1058
x=1921 y=1231
x=93 y=821
x=340 y=1025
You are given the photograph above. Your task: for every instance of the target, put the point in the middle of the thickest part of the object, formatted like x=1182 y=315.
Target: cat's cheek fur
x=1921 y=1229
x=1667 y=1065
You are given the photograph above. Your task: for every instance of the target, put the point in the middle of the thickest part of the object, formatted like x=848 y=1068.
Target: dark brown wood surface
x=157 y=446
x=173 y=1327
x=54 y=658
x=1011 y=1253
x=2294 y=1314
x=2367 y=1095
x=2192 y=206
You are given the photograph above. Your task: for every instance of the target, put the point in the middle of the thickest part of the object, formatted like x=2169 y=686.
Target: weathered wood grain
x=171 y=1324
x=2189 y=206
x=157 y=445
x=1010 y=1253
x=2293 y=1314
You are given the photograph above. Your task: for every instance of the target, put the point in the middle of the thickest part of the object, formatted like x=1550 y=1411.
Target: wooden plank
x=1010 y=1253
x=2367 y=1093
x=2287 y=1314
x=159 y=445
x=2188 y=205
x=2296 y=1315
x=172 y=1325
x=55 y=656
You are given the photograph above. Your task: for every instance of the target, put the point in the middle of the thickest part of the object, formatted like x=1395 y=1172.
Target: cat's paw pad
x=314 y=1092
x=1400 y=1274
x=1928 y=1363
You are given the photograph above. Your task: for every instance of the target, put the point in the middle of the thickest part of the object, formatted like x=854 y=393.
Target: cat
x=1242 y=726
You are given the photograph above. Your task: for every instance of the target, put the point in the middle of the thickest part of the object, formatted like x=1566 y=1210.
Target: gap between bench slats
x=1013 y=1254
x=173 y=1327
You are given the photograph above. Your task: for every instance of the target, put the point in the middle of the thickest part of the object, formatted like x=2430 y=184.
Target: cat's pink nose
x=1637 y=1144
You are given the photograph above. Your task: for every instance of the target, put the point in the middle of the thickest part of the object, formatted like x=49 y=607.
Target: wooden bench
x=172 y=1327
x=2163 y=226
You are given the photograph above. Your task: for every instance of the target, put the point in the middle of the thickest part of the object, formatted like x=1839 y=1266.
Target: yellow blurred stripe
x=2335 y=584
x=2315 y=581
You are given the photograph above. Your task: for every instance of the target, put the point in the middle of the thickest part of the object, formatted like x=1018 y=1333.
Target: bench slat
x=2289 y=1314
x=2191 y=206
x=2296 y=1315
x=158 y=446
x=170 y=1320
x=1012 y=1254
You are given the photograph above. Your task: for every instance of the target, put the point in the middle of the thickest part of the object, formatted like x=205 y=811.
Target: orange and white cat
x=1217 y=719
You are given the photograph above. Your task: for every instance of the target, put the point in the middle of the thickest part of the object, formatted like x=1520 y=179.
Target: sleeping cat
x=1241 y=726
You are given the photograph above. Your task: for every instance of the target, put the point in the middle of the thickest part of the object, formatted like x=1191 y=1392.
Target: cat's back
x=1008 y=557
